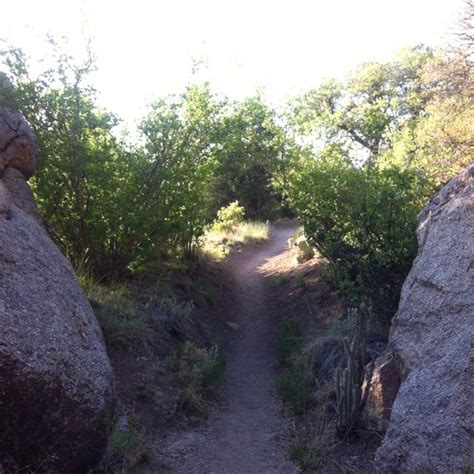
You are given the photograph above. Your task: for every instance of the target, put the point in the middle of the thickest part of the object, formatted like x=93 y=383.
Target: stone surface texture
x=431 y=427
x=55 y=376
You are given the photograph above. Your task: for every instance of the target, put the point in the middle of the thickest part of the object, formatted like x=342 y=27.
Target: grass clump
x=170 y=314
x=126 y=447
x=288 y=339
x=295 y=384
x=119 y=315
x=196 y=370
x=311 y=450
x=218 y=242
x=134 y=317
x=230 y=230
x=296 y=389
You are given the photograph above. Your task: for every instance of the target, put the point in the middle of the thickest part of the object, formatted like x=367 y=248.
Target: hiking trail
x=247 y=431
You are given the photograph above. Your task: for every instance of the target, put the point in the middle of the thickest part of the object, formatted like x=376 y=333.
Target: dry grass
x=218 y=243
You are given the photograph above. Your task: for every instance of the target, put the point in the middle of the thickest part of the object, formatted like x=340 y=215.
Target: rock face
x=432 y=341
x=55 y=376
x=384 y=385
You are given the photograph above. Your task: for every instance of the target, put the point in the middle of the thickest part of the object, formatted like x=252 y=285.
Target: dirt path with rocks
x=247 y=432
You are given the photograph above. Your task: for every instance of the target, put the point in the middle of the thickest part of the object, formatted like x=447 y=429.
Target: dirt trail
x=246 y=434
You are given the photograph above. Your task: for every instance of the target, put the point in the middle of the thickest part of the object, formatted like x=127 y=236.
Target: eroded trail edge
x=247 y=432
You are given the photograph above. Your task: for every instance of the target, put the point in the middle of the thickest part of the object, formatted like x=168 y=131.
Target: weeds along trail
x=247 y=433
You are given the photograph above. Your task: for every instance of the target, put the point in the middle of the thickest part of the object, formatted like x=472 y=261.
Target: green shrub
x=363 y=220
x=114 y=207
x=229 y=217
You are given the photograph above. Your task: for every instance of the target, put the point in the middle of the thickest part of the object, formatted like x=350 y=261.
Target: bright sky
x=144 y=48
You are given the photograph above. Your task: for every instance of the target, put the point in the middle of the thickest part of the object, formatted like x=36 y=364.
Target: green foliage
x=254 y=150
x=295 y=385
x=312 y=450
x=111 y=206
x=361 y=113
x=288 y=339
x=180 y=140
x=196 y=370
x=351 y=396
x=384 y=139
x=217 y=244
x=438 y=143
x=229 y=217
x=363 y=220
x=297 y=388
x=126 y=447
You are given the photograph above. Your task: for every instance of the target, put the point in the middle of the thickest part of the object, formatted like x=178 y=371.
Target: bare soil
x=247 y=431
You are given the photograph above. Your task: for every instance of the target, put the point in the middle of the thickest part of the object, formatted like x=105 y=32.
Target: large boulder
x=431 y=341
x=55 y=376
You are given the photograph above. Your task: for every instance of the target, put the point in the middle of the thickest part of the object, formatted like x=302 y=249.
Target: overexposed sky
x=144 y=48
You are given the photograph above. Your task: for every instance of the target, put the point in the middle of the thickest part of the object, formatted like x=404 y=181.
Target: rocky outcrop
x=55 y=377
x=432 y=342
x=17 y=143
x=383 y=389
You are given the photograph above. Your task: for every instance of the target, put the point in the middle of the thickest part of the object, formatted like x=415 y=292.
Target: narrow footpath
x=247 y=432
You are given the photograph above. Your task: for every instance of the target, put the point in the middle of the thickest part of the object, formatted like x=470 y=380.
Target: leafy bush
x=111 y=206
x=254 y=147
x=363 y=220
x=229 y=217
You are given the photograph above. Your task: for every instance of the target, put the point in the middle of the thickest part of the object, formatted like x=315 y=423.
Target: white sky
x=144 y=47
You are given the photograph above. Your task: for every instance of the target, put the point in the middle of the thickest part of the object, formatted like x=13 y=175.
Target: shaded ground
x=302 y=292
x=246 y=433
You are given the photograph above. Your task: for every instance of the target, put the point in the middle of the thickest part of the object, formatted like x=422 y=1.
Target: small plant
x=148 y=394
x=196 y=370
x=229 y=217
x=190 y=402
x=299 y=281
x=282 y=278
x=350 y=395
x=296 y=388
x=122 y=322
x=170 y=314
x=213 y=367
x=324 y=354
x=288 y=339
x=311 y=450
x=126 y=449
